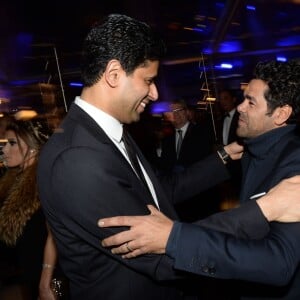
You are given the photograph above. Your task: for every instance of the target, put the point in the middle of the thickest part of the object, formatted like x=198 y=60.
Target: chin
x=135 y=118
x=241 y=134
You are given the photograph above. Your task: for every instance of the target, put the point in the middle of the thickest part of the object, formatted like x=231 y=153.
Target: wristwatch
x=224 y=155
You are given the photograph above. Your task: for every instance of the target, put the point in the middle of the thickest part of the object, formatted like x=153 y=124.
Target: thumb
x=152 y=209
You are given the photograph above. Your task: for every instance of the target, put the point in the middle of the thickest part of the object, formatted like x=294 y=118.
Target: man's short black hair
x=123 y=38
x=283 y=80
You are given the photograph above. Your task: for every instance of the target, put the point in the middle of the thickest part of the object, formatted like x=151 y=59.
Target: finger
x=153 y=209
x=117 y=239
x=116 y=221
x=121 y=249
x=156 y=212
x=130 y=249
x=133 y=253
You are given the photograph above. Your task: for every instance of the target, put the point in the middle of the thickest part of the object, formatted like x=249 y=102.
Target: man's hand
x=282 y=203
x=234 y=150
x=147 y=234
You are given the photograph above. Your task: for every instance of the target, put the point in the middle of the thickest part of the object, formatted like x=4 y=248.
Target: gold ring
x=128 y=248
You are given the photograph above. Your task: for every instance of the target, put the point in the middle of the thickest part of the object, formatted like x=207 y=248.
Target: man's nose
x=153 y=93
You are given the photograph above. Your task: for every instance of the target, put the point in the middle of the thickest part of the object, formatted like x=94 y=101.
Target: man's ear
x=282 y=114
x=113 y=72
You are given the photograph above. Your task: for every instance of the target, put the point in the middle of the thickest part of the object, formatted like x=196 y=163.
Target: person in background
x=24 y=238
x=188 y=143
x=4 y=120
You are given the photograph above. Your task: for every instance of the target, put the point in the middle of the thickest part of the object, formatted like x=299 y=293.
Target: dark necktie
x=179 y=141
x=133 y=157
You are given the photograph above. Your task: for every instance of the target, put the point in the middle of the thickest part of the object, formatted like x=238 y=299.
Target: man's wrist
x=267 y=208
x=225 y=157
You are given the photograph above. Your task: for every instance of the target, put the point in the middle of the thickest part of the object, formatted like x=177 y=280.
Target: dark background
x=41 y=42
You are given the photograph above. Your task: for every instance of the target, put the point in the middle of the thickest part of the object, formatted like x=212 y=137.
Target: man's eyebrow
x=249 y=97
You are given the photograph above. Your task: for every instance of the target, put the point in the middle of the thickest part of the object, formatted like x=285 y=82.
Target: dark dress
x=23 y=231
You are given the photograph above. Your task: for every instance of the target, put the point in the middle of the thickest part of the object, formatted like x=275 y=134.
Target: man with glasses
x=187 y=144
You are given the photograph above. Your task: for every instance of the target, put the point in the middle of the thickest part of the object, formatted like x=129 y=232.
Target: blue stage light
x=251 y=7
x=281 y=58
x=77 y=84
x=224 y=66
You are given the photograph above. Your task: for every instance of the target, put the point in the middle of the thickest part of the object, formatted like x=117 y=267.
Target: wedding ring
x=128 y=248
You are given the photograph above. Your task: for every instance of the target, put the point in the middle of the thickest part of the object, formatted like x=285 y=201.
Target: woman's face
x=14 y=150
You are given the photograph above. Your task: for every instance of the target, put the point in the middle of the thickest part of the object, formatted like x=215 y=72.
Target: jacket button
x=212 y=271
x=205 y=269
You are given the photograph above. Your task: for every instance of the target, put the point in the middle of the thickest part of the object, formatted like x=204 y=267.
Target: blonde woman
x=24 y=236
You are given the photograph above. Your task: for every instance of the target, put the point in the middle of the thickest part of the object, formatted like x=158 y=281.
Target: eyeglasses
x=176 y=110
x=10 y=142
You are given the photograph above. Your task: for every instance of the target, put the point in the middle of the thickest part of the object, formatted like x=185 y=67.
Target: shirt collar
x=111 y=126
x=184 y=127
x=231 y=113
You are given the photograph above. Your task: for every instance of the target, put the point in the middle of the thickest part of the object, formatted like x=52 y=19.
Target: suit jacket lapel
x=164 y=203
x=81 y=117
x=186 y=137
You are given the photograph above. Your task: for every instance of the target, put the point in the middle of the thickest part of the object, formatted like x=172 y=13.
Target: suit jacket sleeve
x=272 y=260
x=81 y=191
x=246 y=221
x=198 y=177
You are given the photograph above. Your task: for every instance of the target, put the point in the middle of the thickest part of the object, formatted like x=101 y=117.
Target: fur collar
x=19 y=201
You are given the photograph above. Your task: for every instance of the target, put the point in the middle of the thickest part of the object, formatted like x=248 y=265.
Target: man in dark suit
x=271 y=104
x=89 y=169
x=188 y=143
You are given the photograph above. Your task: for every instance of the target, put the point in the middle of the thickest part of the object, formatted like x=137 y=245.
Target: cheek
x=141 y=89
x=259 y=124
x=17 y=157
x=254 y=118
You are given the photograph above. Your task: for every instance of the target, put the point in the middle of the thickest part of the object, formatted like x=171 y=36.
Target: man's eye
x=150 y=81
